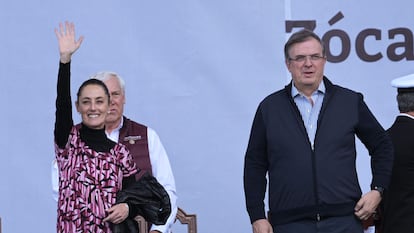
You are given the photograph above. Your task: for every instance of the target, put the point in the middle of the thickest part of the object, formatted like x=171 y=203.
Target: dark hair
x=93 y=81
x=405 y=101
x=301 y=36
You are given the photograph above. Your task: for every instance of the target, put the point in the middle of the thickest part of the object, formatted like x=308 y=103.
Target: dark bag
x=149 y=199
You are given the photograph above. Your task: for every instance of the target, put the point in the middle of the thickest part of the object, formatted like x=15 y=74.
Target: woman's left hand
x=117 y=213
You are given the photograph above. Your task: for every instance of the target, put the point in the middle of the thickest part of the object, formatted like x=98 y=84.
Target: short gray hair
x=105 y=75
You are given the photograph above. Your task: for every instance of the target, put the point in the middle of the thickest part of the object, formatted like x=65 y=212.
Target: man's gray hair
x=105 y=75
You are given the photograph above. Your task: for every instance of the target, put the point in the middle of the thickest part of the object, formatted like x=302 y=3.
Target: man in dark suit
x=398 y=202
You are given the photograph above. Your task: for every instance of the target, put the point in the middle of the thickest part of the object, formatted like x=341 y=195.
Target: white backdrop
x=195 y=72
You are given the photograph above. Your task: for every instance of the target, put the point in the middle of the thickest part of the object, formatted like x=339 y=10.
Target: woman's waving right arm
x=67 y=46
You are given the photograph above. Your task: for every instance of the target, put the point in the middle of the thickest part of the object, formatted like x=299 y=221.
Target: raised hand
x=67 y=41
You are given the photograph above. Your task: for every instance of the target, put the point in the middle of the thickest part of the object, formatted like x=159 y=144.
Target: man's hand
x=367 y=205
x=117 y=213
x=67 y=41
x=262 y=226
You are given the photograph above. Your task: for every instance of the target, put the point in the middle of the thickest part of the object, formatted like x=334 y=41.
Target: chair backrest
x=186 y=219
x=142 y=224
x=189 y=219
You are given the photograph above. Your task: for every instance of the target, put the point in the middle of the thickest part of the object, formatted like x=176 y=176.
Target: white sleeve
x=55 y=180
x=161 y=170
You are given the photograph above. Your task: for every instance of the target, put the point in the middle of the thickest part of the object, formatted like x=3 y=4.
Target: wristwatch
x=379 y=189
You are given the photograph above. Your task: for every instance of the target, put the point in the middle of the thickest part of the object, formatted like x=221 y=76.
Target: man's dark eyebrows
x=303 y=55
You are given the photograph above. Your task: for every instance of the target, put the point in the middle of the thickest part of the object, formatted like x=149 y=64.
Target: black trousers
x=343 y=224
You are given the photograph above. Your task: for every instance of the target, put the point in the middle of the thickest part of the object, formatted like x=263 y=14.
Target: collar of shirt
x=114 y=135
x=296 y=92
